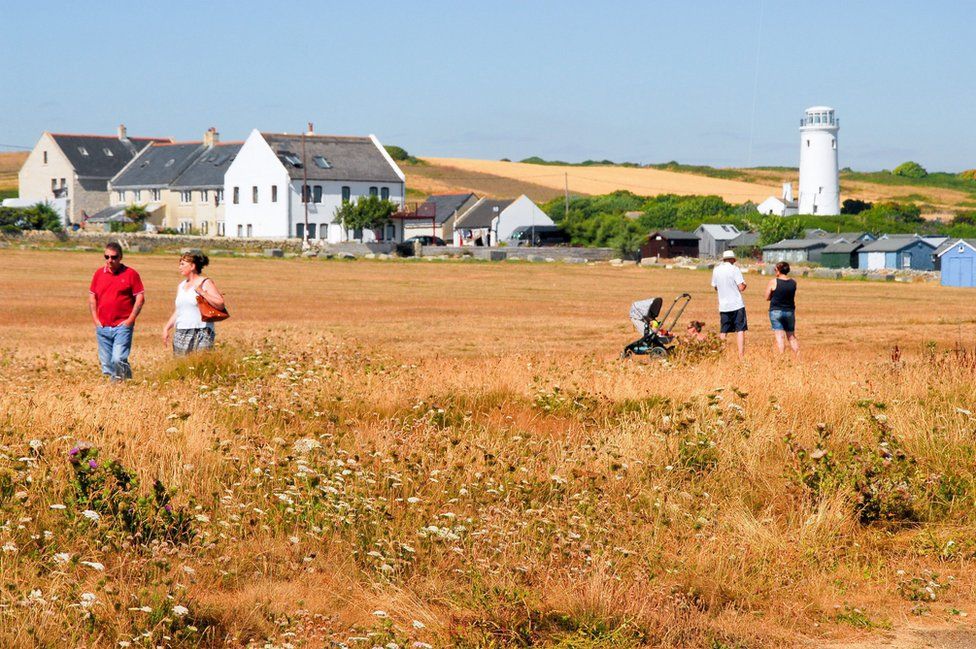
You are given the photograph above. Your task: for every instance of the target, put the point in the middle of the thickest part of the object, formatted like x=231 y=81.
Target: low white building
x=783 y=206
x=263 y=187
x=490 y=221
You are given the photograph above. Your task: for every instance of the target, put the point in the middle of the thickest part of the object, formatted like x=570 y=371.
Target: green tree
x=910 y=169
x=368 y=213
x=773 y=228
x=854 y=206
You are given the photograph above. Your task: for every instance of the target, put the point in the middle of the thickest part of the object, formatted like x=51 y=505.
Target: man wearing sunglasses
x=115 y=298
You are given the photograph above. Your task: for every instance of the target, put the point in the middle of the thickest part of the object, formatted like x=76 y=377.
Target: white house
x=783 y=206
x=263 y=187
x=489 y=220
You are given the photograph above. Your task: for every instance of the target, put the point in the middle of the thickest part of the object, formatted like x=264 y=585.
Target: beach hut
x=897 y=252
x=959 y=263
x=840 y=254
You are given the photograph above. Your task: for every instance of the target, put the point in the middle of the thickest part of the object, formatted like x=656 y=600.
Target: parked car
x=425 y=240
x=538 y=235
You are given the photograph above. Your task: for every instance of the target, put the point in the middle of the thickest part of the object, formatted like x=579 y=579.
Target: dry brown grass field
x=10 y=164
x=451 y=454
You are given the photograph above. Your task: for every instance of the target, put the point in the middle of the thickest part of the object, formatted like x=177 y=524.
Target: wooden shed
x=670 y=243
x=840 y=254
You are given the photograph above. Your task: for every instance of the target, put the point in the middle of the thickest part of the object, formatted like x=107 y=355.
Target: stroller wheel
x=658 y=352
x=626 y=353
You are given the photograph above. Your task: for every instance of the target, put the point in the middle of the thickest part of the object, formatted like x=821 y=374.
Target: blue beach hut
x=959 y=263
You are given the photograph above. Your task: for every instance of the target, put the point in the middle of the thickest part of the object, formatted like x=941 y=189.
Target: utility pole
x=566 y=174
x=305 y=192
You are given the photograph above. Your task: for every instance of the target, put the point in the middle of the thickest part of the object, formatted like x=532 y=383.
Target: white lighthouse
x=819 y=184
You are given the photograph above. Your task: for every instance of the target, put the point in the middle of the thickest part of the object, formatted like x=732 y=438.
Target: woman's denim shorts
x=782 y=320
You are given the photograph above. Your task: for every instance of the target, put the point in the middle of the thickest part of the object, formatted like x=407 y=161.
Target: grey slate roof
x=97 y=163
x=797 y=244
x=350 y=158
x=441 y=206
x=893 y=244
x=481 y=213
x=843 y=247
x=109 y=215
x=207 y=170
x=949 y=243
x=157 y=165
x=675 y=234
x=745 y=239
x=720 y=231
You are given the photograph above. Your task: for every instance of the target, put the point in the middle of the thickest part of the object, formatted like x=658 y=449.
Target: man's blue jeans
x=114 y=344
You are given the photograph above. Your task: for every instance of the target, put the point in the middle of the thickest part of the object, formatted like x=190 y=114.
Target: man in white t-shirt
x=727 y=280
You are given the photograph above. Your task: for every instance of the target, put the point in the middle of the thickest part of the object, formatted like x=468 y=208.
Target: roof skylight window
x=291 y=159
x=83 y=151
x=108 y=152
x=321 y=162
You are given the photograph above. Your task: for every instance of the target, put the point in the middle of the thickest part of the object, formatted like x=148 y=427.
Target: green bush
x=910 y=169
x=400 y=154
x=369 y=212
x=40 y=216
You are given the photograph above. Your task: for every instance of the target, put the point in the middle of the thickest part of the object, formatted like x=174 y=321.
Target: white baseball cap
x=728 y=254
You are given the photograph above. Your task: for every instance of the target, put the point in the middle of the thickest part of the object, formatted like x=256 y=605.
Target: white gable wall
x=256 y=165
x=323 y=213
x=521 y=212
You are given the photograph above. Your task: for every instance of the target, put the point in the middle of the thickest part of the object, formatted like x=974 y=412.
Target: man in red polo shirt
x=115 y=298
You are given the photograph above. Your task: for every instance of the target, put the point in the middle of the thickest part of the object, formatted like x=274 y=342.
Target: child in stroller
x=656 y=337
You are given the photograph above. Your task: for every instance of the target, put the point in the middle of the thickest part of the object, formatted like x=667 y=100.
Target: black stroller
x=658 y=336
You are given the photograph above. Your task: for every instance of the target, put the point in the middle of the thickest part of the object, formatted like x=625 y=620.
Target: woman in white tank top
x=191 y=332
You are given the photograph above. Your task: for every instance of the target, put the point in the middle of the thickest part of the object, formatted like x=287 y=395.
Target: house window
x=221 y=229
x=311 y=230
x=45 y=157
x=254 y=194
x=906 y=260
x=54 y=184
x=204 y=227
x=137 y=196
x=346 y=193
x=321 y=162
x=63 y=183
x=385 y=193
x=186 y=197
x=249 y=229
x=390 y=232
x=204 y=196
x=237 y=195
x=120 y=197
x=155 y=194
x=185 y=227
x=324 y=231
x=240 y=230
x=274 y=193
x=218 y=196
x=306 y=193
x=374 y=191
x=317 y=194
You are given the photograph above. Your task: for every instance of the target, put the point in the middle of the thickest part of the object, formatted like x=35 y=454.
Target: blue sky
x=721 y=83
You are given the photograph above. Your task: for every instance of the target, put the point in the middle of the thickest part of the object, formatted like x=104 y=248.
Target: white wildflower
x=306 y=445
x=88 y=600
x=36 y=445
x=379 y=613
x=94 y=565
x=180 y=611
x=9 y=547
x=91 y=515
x=62 y=557
x=417 y=624
x=58 y=506
x=413 y=500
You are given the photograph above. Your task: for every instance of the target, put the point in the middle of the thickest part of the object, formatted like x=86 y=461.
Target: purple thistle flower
x=74 y=451
x=93 y=464
x=168 y=508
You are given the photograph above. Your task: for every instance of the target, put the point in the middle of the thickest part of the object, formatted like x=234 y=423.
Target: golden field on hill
x=451 y=454
x=10 y=164
x=603 y=180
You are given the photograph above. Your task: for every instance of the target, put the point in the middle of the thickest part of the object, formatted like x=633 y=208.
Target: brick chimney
x=122 y=135
x=311 y=129
x=211 y=137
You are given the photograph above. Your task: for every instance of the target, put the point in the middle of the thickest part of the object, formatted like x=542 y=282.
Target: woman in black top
x=781 y=294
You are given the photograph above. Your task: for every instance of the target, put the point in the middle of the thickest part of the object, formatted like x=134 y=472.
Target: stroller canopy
x=649 y=308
